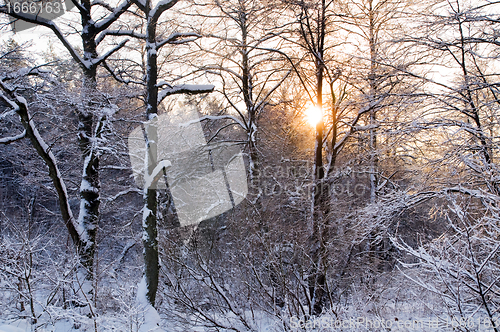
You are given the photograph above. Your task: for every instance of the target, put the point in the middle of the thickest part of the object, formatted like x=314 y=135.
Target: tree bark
x=149 y=223
x=317 y=283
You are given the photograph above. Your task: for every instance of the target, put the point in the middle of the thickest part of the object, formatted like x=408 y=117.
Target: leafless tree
x=92 y=113
x=240 y=52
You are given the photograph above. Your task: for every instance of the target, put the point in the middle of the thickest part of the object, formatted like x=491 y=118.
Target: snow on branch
x=102 y=4
x=101 y=59
x=107 y=21
x=160 y=8
x=156 y=174
x=368 y=127
x=184 y=89
x=35 y=19
x=178 y=38
x=12 y=104
x=119 y=32
x=477 y=193
x=30 y=71
x=123 y=193
x=8 y=140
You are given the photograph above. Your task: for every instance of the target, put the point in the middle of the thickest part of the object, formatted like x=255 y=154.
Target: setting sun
x=313 y=115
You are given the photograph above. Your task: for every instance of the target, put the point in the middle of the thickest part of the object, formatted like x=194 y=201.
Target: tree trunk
x=90 y=186
x=317 y=282
x=149 y=223
x=373 y=162
x=88 y=217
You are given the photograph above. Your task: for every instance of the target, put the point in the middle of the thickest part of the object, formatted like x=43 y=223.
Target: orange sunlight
x=313 y=115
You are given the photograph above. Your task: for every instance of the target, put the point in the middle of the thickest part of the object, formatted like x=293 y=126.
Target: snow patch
x=185 y=88
x=10 y=328
x=151 y=318
x=80 y=228
x=86 y=186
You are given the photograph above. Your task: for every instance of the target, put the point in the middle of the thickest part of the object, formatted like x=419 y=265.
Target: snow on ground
x=10 y=328
x=405 y=323
x=397 y=308
x=151 y=318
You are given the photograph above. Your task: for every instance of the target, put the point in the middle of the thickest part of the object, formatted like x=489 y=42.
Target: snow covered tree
x=371 y=27
x=153 y=98
x=27 y=92
x=155 y=92
x=459 y=123
x=314 y=64
x=10 y=83
x=463 y=106
x=460 y=266
x=92 y=112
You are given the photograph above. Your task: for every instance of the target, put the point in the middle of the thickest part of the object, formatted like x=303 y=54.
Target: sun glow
x=313 y=115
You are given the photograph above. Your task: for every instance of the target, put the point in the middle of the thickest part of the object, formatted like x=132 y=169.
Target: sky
x=39 y=38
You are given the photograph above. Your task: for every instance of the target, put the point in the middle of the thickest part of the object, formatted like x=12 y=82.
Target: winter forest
x=249 y=165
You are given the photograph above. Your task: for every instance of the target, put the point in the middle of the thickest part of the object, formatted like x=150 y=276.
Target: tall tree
x=241 y=49
x=155 y=92
x=464 y=102
x=92 y=115
x=314 y=29
x=371 y=28
x=323 y=70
